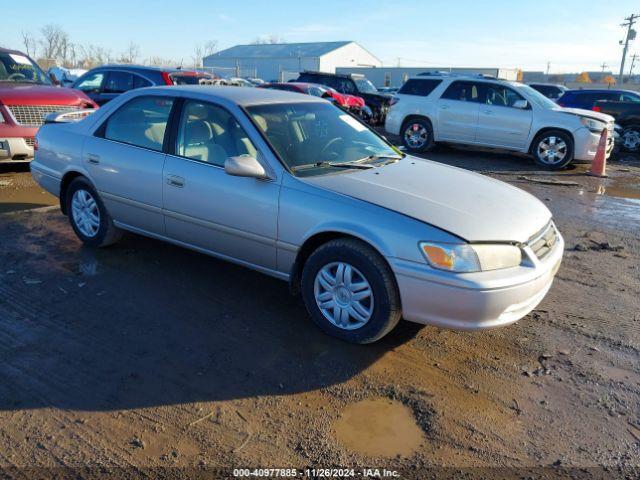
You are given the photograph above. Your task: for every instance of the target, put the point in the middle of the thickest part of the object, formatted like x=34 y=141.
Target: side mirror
x=521 y=104
x=245 y=166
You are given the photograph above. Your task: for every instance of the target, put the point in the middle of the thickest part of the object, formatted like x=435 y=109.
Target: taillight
x=596 y=108
x=393 y=101
x=167 y=78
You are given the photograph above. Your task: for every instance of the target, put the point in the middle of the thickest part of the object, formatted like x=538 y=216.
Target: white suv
x=488 y=112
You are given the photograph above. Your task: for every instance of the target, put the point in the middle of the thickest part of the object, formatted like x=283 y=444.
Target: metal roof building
x=282 y=61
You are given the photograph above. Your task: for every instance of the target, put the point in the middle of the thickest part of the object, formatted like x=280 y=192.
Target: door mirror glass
x=245 y=166
x=521 y=104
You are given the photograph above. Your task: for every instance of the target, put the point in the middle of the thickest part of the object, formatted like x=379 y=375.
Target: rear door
x=500 y=123
x=458 y=109
x=116 y=83
x=125 y=159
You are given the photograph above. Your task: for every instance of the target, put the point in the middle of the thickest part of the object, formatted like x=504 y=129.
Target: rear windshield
x=419 y=87
x=181 y=79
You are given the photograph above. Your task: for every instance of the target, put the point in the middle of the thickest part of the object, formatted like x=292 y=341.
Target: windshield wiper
x=349 y=165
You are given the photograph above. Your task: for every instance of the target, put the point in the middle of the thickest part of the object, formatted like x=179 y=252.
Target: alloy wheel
x=343 y=295
x=631 y=139
x=552 y=150
x=85 y=213
x=416 y=135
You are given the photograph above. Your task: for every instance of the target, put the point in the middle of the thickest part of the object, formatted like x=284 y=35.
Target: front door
x=125 y=161
x=234 y=217
x=458 y=113
x=504 y=120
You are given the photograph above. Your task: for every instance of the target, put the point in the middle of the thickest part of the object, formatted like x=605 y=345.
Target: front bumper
x=586 y=144
x=16 y=149
x=476 y=300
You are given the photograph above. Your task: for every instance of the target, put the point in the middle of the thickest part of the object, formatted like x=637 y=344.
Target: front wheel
x=417 y=135
x=553 y=149
x=88 y=216
x=631 y=138
x=350 y=291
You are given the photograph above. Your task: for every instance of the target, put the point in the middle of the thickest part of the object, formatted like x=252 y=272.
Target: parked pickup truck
x=627 y=115
x=26 y=98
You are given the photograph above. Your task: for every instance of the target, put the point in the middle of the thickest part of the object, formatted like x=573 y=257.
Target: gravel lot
x=144 y=357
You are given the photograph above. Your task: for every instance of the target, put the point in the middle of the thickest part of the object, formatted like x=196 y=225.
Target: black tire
x=386 y=308
x=547 y=138
x=422 y=133
x=630 y=138
x=107 y=233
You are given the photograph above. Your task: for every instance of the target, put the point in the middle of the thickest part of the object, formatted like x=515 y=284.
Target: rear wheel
x=417 y=135
x=553 y=149
x=630 y=138
x=350 y=292
x=88 y=217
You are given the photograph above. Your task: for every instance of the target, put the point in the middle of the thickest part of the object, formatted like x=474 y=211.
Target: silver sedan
x=296 y=188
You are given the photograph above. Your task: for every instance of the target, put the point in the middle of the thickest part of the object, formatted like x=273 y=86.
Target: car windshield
x=15 y=67
x=365 y=85
x=536 y=97
x=318 y=138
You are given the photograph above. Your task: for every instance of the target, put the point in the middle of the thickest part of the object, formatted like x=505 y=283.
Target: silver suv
x=488 y=112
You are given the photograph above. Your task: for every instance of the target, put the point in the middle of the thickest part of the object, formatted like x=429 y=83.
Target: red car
x=352 y=103
x=26 y=97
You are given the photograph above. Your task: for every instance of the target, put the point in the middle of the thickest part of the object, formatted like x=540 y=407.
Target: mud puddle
x=379 y=428
x=621 y=187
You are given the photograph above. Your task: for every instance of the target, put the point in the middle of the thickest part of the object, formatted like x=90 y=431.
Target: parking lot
x=146 y=355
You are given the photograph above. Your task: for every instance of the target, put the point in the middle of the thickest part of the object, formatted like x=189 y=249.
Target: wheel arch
x=316 y=240
x=67 y=178
x=550 y=129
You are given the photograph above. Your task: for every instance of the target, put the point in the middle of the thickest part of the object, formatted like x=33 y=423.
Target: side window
x=91 y=83
x=140 y=82
x=210 y=134
x=118 y=82
x=419 y=87
x=626 y=97
x=501 y=96
x=462 y=91
x=141 y=122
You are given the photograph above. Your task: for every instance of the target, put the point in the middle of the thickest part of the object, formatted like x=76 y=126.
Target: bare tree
x=30 y=43
x=198 y=53
x=131 y=54
x=210 y=47
x=268 y=39
x=53 y=41
x=93 y=55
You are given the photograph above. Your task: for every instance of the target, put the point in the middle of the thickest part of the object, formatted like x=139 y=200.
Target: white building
x=283 y=61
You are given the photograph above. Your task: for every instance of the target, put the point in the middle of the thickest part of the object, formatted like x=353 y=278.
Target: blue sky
x=572 y=34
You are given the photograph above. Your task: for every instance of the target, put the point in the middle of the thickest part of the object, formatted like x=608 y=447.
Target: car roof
x=242 y=96
x=546 y=84
x=128 y=66
x=8 y=50
x=600 y=90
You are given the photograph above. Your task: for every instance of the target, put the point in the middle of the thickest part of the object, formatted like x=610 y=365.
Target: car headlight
x=467 y=258
x=594 y=125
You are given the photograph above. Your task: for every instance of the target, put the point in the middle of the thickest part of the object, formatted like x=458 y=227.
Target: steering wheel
x=17 y=76
x=324 y=152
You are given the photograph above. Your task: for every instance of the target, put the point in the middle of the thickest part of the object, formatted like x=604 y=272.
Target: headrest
x=198 y=111
x=197 y=131
x=262 y=123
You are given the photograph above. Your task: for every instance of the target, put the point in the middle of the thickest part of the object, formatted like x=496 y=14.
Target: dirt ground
x=147 y=359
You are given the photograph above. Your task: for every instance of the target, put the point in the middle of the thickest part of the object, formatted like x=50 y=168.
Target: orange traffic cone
x=599 y=164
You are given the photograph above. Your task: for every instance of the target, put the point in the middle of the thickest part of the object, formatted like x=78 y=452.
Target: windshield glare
x=365 y=85
x=537 y=98
x=305 y=134
x=18 y=68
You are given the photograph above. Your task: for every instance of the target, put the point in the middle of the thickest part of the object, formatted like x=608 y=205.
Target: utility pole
x=631 y=35
x=548 y=68
x=634 y=57
x=604 y=65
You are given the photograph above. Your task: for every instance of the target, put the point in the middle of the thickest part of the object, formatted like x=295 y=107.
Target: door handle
x=93 y=158
x=488 y=112
x=444 y=107
x=175 y=181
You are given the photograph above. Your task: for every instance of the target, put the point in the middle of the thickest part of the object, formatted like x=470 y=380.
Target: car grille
x=543 y=242
x=33 y=115
x=29 y=141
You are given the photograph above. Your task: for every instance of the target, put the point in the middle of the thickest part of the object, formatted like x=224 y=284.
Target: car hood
x=382 y=98
x=471 y=206
x=602 y=117
x=28 y=94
